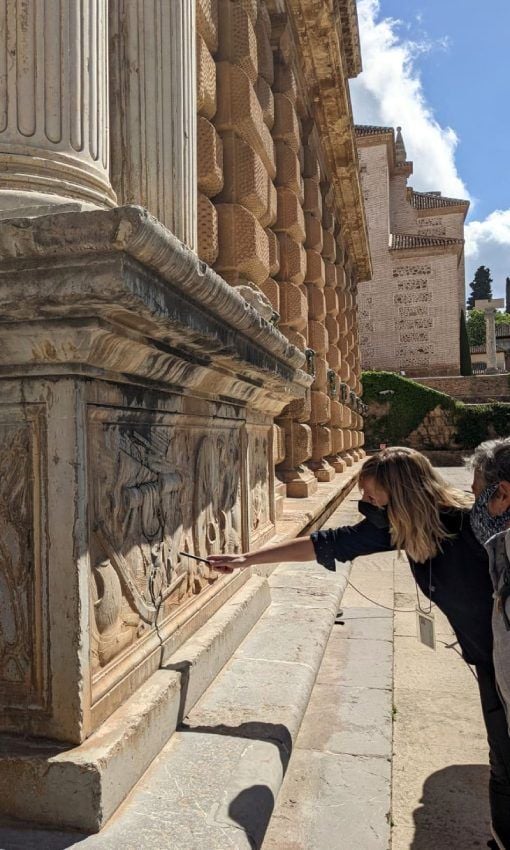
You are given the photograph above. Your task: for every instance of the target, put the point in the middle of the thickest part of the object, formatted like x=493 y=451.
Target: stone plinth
x=137 y=405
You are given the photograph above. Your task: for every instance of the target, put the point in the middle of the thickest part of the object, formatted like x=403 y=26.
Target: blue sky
x=442 y=71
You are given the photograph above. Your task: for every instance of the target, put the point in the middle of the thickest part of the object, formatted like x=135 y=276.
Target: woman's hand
x=228 y=563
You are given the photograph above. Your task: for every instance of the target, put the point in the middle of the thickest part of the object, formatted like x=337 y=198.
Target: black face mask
x=377 y=516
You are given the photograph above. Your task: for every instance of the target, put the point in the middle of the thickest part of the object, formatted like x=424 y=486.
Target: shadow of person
x=252 y=809
x=454 y=811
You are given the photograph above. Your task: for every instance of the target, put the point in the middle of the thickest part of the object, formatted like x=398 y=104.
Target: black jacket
x=459 y=575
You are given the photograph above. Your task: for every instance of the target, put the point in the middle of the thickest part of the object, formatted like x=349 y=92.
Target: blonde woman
x=408 y=506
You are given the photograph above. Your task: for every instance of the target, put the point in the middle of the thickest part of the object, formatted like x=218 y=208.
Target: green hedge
x=409 y=402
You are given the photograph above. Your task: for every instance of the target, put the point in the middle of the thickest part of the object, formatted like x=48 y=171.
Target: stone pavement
x=214 y=785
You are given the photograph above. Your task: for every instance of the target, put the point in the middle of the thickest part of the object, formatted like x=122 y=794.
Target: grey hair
x=492 y=460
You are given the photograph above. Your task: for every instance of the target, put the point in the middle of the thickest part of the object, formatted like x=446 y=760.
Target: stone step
x=337 y=790
x=81 y=787
x=214 y=785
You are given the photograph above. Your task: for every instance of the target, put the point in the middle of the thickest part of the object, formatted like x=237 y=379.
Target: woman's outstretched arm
x=300 y=549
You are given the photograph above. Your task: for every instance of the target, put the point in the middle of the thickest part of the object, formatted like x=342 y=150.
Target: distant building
x=479 y=354
x=409 y=313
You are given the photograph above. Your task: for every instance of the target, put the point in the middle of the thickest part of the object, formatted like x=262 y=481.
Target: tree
x=480 y=287
x=476 y=327
x=507 y=294
x=465 y=354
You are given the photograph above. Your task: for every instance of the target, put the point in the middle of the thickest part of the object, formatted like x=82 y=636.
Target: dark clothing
x=499 y=754
x=461 y=587
x=460 y=584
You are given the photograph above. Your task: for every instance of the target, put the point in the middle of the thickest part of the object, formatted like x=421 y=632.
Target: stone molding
x=319 y=42
x=130 y=236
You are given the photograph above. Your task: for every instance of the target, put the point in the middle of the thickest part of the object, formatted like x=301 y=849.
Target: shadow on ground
x=454 y=811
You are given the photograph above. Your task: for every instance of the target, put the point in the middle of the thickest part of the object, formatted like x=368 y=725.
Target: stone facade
x=409 y=313
x=182 y=236
x=475 y=388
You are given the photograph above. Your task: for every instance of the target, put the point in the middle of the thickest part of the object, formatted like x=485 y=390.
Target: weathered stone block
x=292 y=259
x=288 y=169
x=264 y=49
x=330 y=272
x=336 y=418
x=314 y=233
x=274 y=251
x=286 y=124
x=271 y=290
x=290 y=216
x=206 y=80
x=207 y=230
x=240 y=110
x=318 y=337
x=321 y=408
x=243 y=248
x=313 y=198
x=316 y=302
x=209 y=158
x=296 y=338
x=331 y=301
x=294 y=306
x=266 y=100
x=315 y=272
x=237 y=39
x=321 y=442
x=321 y=374
x=246 y=180
x=329 y=247
x=334 y=357
x=285 y=81
x=337 y=440
x=332 y=328
x=311 y=169
x=207 y=22
x=341 y=280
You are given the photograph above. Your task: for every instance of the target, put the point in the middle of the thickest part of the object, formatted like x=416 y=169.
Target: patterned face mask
x=485 y=526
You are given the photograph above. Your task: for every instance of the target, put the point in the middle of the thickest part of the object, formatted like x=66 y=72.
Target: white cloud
x=389 y=92
x=488 y=244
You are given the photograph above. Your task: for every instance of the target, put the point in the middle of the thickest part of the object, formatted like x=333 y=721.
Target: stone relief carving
x=21 y=645
x=259 y=448
x=157 y=491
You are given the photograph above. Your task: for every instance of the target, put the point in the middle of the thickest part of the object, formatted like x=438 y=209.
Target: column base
x=300 y=482
x=337 y=462
x=21 y=204
x=322 y=470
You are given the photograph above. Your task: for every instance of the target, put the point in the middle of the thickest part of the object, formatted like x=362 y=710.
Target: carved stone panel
x=260 y=483
x=159 y=486
x=23 y=591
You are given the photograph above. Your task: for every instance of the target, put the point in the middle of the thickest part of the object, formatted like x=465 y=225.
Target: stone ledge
x=82 y=787
x=214 y=784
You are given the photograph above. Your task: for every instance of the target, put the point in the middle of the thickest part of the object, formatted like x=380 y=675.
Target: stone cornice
x=320 y=34
x=147 y=301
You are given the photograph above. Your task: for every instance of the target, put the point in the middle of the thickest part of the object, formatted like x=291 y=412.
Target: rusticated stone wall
x=267 y=222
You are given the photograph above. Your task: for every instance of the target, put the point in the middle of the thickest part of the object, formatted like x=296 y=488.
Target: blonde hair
x=416 y=493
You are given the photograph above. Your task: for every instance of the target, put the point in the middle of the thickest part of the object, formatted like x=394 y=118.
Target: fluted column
x=154 y=110
x=54 y=142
